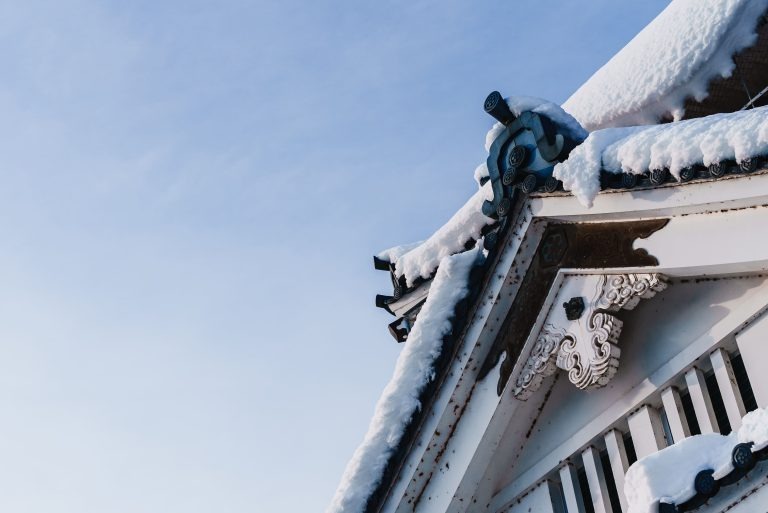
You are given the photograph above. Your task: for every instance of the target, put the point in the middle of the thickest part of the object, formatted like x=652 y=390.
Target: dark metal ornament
x=528 y=185
x=716 y=169
x=748 y=165
x=517 y=156
x=509 y=176
x=658 y=176
x=705 y=483
x=687 y=174
x=742 y=457
x=574 y=308
x=628 y=180
x=490 y=240
x=505 y=205
x=498 y=108
x=551 y=184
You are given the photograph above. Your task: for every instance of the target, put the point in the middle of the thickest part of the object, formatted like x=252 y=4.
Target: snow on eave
x=465 y=225
x=672 y=146
x=675 y=57
x=399 y=402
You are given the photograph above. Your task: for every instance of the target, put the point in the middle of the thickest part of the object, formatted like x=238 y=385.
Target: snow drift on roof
x=400 y=399
x=673 y=58
x=464 y=226
x=673 y=146
x=392 y=254
x=668 y=475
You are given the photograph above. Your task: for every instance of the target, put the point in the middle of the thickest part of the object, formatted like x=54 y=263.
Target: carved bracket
x=580 y=334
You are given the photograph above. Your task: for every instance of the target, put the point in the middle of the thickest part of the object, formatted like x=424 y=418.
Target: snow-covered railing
x=710 y=398
x=685 y=475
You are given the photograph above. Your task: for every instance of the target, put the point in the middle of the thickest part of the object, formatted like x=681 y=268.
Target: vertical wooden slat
x=702 y=404
x=673 y=408
x=574 y=502
x=646 y=430
x=729 y=389
x=753 y=346
x=617 y=454
x=598 y=488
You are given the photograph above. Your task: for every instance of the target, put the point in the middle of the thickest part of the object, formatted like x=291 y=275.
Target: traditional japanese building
x=589 y=332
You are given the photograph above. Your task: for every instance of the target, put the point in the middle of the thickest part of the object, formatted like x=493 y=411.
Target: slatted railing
x=710 y=397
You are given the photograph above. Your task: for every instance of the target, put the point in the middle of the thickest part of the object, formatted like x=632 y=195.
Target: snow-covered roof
x=672 y=146
x=400 y=400
x=419 y=261
x=674 y=58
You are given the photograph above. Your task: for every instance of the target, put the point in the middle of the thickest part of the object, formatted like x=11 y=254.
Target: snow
x=675 y=57
x=668 y=475
x=465 y=225
x=754 y=428
x=481 y=172
x=520 y=104
x=392 y=254
x=673 y=146
x=400 y=399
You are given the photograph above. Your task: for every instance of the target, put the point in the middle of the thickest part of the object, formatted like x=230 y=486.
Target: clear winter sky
x=190 y=195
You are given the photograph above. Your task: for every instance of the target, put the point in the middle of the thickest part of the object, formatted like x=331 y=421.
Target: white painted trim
x=646 y=430
x=673 y=408
x=735 y=191
x=729 y=390
x=702 y=404
x=574 y=502
x=617 y=454
x=598 y=487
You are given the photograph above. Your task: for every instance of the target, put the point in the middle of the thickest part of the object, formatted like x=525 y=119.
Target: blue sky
x=190 y=195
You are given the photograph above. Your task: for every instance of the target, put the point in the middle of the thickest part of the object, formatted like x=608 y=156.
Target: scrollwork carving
x=541 y=363
x=586 y=347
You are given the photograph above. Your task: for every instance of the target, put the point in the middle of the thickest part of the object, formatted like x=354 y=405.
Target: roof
x=671 y=61
x=706 y=149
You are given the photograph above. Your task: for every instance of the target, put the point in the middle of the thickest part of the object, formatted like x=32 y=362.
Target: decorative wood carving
x=541 y=363
x=585 y=346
